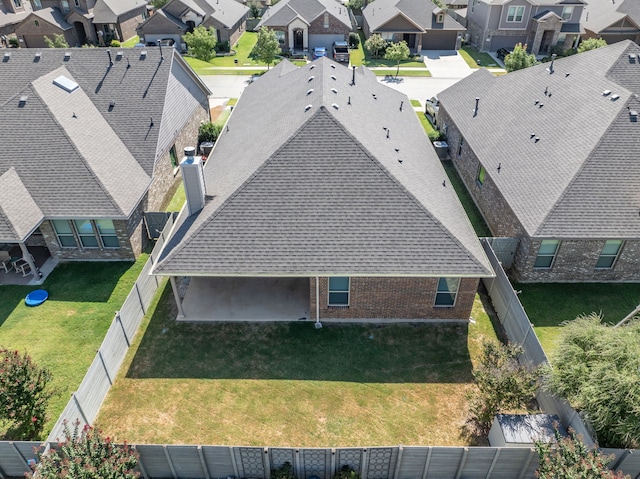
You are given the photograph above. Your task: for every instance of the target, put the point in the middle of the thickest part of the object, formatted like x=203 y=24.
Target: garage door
x=34 y=41
x=439 y=41
x=506 y=42
x=324 y=40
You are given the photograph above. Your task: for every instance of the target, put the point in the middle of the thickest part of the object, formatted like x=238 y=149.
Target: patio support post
x=27 y=257
x=176 y=295
x=318 y=324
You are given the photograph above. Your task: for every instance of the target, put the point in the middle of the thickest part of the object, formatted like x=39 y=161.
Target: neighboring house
x=551 y=157
x=540 y=24
x=302 y=25
x=177 y=17
x=81 y=21
x=457 y=4
x=12 y=12
x=422 y=24
x=89 y=141
x=323 y=194
x=612 y=21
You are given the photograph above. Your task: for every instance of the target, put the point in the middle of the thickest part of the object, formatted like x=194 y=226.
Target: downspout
x=318 y=323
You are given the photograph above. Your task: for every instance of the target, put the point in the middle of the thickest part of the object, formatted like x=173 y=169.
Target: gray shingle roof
x=53 y=16
x=582 y=178
x=226 y=12
x=380 y=12
x=304 y=191
x=7 y=17
x=100 y=162
x=19 y=214
x=109 y=11
x=600 y=14
x=283 y=12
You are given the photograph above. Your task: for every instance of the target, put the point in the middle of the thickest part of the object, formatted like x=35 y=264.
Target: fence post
x=463 y=461
x=106 y=371
x=526 y=463
x=493 y=463
x=135 y=285
x=398 y=462
x=124 y=331
x=267 y=463
x=18 y=452
x=203 y=463
x=365 y=465
x=166 y=454
x=232 y=453
x=333 y=462
x=84 y=418
x=142 y=469
x=426 y=464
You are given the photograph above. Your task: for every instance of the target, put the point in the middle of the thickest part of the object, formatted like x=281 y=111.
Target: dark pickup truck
x=341 y=52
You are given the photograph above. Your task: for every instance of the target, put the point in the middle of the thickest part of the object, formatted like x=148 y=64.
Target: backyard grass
x=289 y=384
x=131 y=42
x=476 y=59
x=64 y=333
x=549 y=305
x=416 y=103
x=402 y=73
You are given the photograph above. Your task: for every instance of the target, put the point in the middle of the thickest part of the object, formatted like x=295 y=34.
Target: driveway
x=446 y=64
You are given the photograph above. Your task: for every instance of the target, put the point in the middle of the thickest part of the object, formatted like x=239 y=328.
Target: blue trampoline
x=36 y=298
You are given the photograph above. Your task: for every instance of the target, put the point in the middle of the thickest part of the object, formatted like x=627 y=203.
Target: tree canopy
x=519 y=59
x=267 y=46
x=58 y=41
x=201 y=43
x=591 y=44
x=597 y=369
x=375 y=44
x=397 y=52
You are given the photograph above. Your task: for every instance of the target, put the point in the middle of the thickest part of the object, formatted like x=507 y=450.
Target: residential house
x=540 y=24
x=423 y=25
x=550 y=156
x=302 y=25
x=81 y=21
x=177 y=17
x=322 y=199
x=612 y=21
x=89 y=142
x=12 y=12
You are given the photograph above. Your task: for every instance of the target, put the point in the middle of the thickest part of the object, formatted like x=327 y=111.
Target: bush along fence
x=519 y=330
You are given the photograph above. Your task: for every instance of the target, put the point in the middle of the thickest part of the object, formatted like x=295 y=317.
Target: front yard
x=64 y=333
x=289 y=384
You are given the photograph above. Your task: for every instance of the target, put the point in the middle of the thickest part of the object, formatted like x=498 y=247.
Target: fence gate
x=505 y=250
x=154 y=222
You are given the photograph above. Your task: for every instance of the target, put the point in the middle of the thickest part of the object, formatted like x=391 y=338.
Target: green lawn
x=289 y=384
x=476 y=59
x=416 y=103
x=402 y=73
x=64 y=333
x=131 y=42
x=360 y=56
x=549 y=305
x=477 y=221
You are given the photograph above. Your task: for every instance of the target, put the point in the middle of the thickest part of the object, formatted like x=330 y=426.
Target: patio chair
x=5 y=261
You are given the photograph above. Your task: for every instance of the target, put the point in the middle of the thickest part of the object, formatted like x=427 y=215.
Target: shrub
x=24 y=395
x=354 y=40
x=223 y=47
x=86 y=454
x=346 y=472
x=14 y=42
x=115 y=43
x=208 y=132
x=283 y=472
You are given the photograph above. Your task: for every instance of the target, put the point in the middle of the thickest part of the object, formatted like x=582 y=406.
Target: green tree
x=267 y=46
x=254 y=9
x=375 y=44
x=596 y=368
x=201 y=43
x=591 y=44
x=57 y=42
x=503 y=384
x=519 y=59
x=158 y=3
x=355 y=4
x=397 y=52
x=570 y=458
x=24 y=395
x=86 y=454
x=208 y=132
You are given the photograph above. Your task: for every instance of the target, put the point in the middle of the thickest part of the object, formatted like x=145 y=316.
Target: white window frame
x=612 y=258
x=518 y=11
x=444 y=289
x=567 y=13
x=387 y=36
x=545 y=254
x=440 y=18
x=342 y=291
x=281 y=36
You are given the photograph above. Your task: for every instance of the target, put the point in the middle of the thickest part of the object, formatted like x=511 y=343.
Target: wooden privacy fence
x=86 y=401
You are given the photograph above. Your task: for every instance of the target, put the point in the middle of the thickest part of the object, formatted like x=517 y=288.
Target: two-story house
x=12 y=12
x=540 y=24
x=612 y=21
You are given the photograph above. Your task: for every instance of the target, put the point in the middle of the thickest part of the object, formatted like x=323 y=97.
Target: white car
x=431 y=108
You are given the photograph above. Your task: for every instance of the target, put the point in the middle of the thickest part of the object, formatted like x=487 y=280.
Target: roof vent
x=23 y=100
x=143 y=54
x=606 y=93
x=312 y=67
x=333 y=77
x=333 y=66
x=7 y=56
x=633 y=115
x=309 y=91
x=334 y=90
x=335 y=105
x=310 y=78
x=67 y=55
x=614 y=97
x=632 y=57
x=118 y=55
x=65 y=83
x=308 y=107
x=37 y=56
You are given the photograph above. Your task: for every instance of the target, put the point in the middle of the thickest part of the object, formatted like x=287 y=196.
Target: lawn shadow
x=402 y=353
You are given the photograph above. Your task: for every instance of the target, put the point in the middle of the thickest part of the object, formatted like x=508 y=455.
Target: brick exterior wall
x=29 y=28
x=377 y=298
x=575 y=259
x=231 y=35
x=335 y=26
x=128 y=23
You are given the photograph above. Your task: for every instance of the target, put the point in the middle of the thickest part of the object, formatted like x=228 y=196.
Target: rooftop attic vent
x=65 y=83
x=633 y=115
x=308 y=107
x=67 y=55
x=37 y=56
x=309 y=91
x=23 y=100
x=333 y=66
x=310 y=78
x=632 y=57
x=333 y=77
x=334 y=90
x=335 y=105
x=7 y=56
x=614 y=97
x=606 y=93
x=312 y=67
x=143 y=54
x=118 y=55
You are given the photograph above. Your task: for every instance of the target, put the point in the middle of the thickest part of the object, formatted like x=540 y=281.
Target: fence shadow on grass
x=420 y=353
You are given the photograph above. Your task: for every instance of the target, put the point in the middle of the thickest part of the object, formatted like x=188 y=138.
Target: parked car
x=319 y=52
x=502 y=53
x=341 y=52
x=432 y=105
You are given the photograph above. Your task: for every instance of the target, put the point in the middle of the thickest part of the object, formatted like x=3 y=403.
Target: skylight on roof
x=65 y=83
